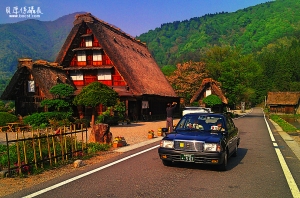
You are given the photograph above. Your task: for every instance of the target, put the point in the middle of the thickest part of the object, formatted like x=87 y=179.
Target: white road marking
x=88 y=173
x=288 y=175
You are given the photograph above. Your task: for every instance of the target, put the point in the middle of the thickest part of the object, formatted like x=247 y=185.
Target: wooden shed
x=283 y=102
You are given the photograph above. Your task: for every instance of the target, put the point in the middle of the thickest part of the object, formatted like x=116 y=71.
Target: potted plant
x=119 y=141
x=150 y=134
x=159 y=132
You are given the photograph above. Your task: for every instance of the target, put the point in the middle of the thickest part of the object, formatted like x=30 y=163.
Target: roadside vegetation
x=17 y=152
x=287 y=127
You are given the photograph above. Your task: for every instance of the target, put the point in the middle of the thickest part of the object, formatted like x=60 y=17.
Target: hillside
x=32 y=38
x=252 y=28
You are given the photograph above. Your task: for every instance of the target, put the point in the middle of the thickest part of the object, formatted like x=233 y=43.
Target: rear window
x=188 y=110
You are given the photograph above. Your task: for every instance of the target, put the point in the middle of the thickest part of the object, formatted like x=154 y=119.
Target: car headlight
x=167 y=144
x=212 y=147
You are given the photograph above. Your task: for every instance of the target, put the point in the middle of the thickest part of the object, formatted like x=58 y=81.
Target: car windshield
x=201 y=122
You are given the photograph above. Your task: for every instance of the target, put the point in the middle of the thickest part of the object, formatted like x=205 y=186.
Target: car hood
x=206 y=136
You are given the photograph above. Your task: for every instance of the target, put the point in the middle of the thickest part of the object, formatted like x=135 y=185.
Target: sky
x=132 y=16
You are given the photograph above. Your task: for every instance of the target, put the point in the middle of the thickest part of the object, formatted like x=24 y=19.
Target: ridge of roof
x=89 y=18
x=46 y=63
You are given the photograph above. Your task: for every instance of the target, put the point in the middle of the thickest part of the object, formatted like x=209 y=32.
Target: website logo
x=23 y=12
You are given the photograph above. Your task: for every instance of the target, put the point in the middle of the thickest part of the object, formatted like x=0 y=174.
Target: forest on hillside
x=250 y=52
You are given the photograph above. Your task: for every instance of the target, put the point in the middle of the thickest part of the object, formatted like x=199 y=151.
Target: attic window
x=88 y=41
x=31 y=87
x=81 y=56
x=104 y=74
x=97 y=56
x=76 y=75
x=208 y=92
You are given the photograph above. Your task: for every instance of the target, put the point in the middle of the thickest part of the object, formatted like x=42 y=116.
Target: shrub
x=44 y=118
x=95 y=147
x=6 y=117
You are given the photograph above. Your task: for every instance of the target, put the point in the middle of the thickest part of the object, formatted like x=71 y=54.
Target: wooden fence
x=39 y=148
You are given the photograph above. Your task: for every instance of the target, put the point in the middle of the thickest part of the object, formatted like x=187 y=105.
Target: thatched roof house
x=32 y=82
x=126 y=62
x=283 y=102
x=208 y=87
x=129 y=56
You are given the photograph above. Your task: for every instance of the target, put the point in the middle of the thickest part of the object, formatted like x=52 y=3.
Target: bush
x=6 y=117
x=95 y=147
x=44 y=118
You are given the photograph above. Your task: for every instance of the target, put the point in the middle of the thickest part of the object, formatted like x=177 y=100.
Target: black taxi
x=206 y=138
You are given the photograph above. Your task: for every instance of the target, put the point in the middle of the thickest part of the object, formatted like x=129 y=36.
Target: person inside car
x=220 y=126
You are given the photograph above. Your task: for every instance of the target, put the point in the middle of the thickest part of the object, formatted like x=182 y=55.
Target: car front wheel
x=223 y=166
x=167 y=163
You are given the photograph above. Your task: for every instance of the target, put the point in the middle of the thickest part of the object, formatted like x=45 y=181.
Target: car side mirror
x=164 y=131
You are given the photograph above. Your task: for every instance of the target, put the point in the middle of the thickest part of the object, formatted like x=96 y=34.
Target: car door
x=232 y=135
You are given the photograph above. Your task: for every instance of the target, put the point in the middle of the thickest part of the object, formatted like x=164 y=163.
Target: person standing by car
x=170 y=110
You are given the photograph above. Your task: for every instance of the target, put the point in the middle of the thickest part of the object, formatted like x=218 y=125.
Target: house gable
x=207 y=87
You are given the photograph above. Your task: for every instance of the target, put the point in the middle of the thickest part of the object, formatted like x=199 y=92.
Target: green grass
x=287 y=127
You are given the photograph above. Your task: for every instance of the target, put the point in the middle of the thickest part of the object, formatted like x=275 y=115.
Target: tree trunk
x=93 y=117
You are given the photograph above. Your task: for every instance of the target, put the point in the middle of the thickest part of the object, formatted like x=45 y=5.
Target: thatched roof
x=283 y=98
x=130 y=57
x=45 y=74
x=214 y=85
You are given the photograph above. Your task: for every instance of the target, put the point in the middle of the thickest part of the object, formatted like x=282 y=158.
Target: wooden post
x=40 y=149
x=48 y=146
x=34 y=150
x=18 y=153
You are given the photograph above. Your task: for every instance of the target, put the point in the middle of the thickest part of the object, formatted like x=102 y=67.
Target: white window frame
x=104 y=74
x=88 y=41
x=76 y=75
x=31 y=86
x=81 y=56
x=97 y=56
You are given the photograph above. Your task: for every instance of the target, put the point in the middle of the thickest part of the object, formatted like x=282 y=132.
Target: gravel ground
x=137 y=132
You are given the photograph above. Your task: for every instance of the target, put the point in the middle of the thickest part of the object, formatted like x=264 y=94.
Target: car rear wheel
x=223 y=166
x=234 y=154
x=167 y=162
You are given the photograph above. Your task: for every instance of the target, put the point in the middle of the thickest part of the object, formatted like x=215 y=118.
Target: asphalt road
x=257 y=171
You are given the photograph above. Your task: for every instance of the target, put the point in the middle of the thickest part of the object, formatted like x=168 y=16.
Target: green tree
x=94 y=94
x=62 y=98
x=212 y=100
x=168 y=69
x=235 y=71
x=187 y=78
x=59 y=108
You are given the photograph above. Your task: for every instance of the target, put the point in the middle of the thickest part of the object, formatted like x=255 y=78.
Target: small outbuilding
x=283 y=102
x=209 y=87
x=31 y=84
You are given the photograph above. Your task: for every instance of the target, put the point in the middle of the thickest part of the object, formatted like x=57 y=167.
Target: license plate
x=187 y=157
